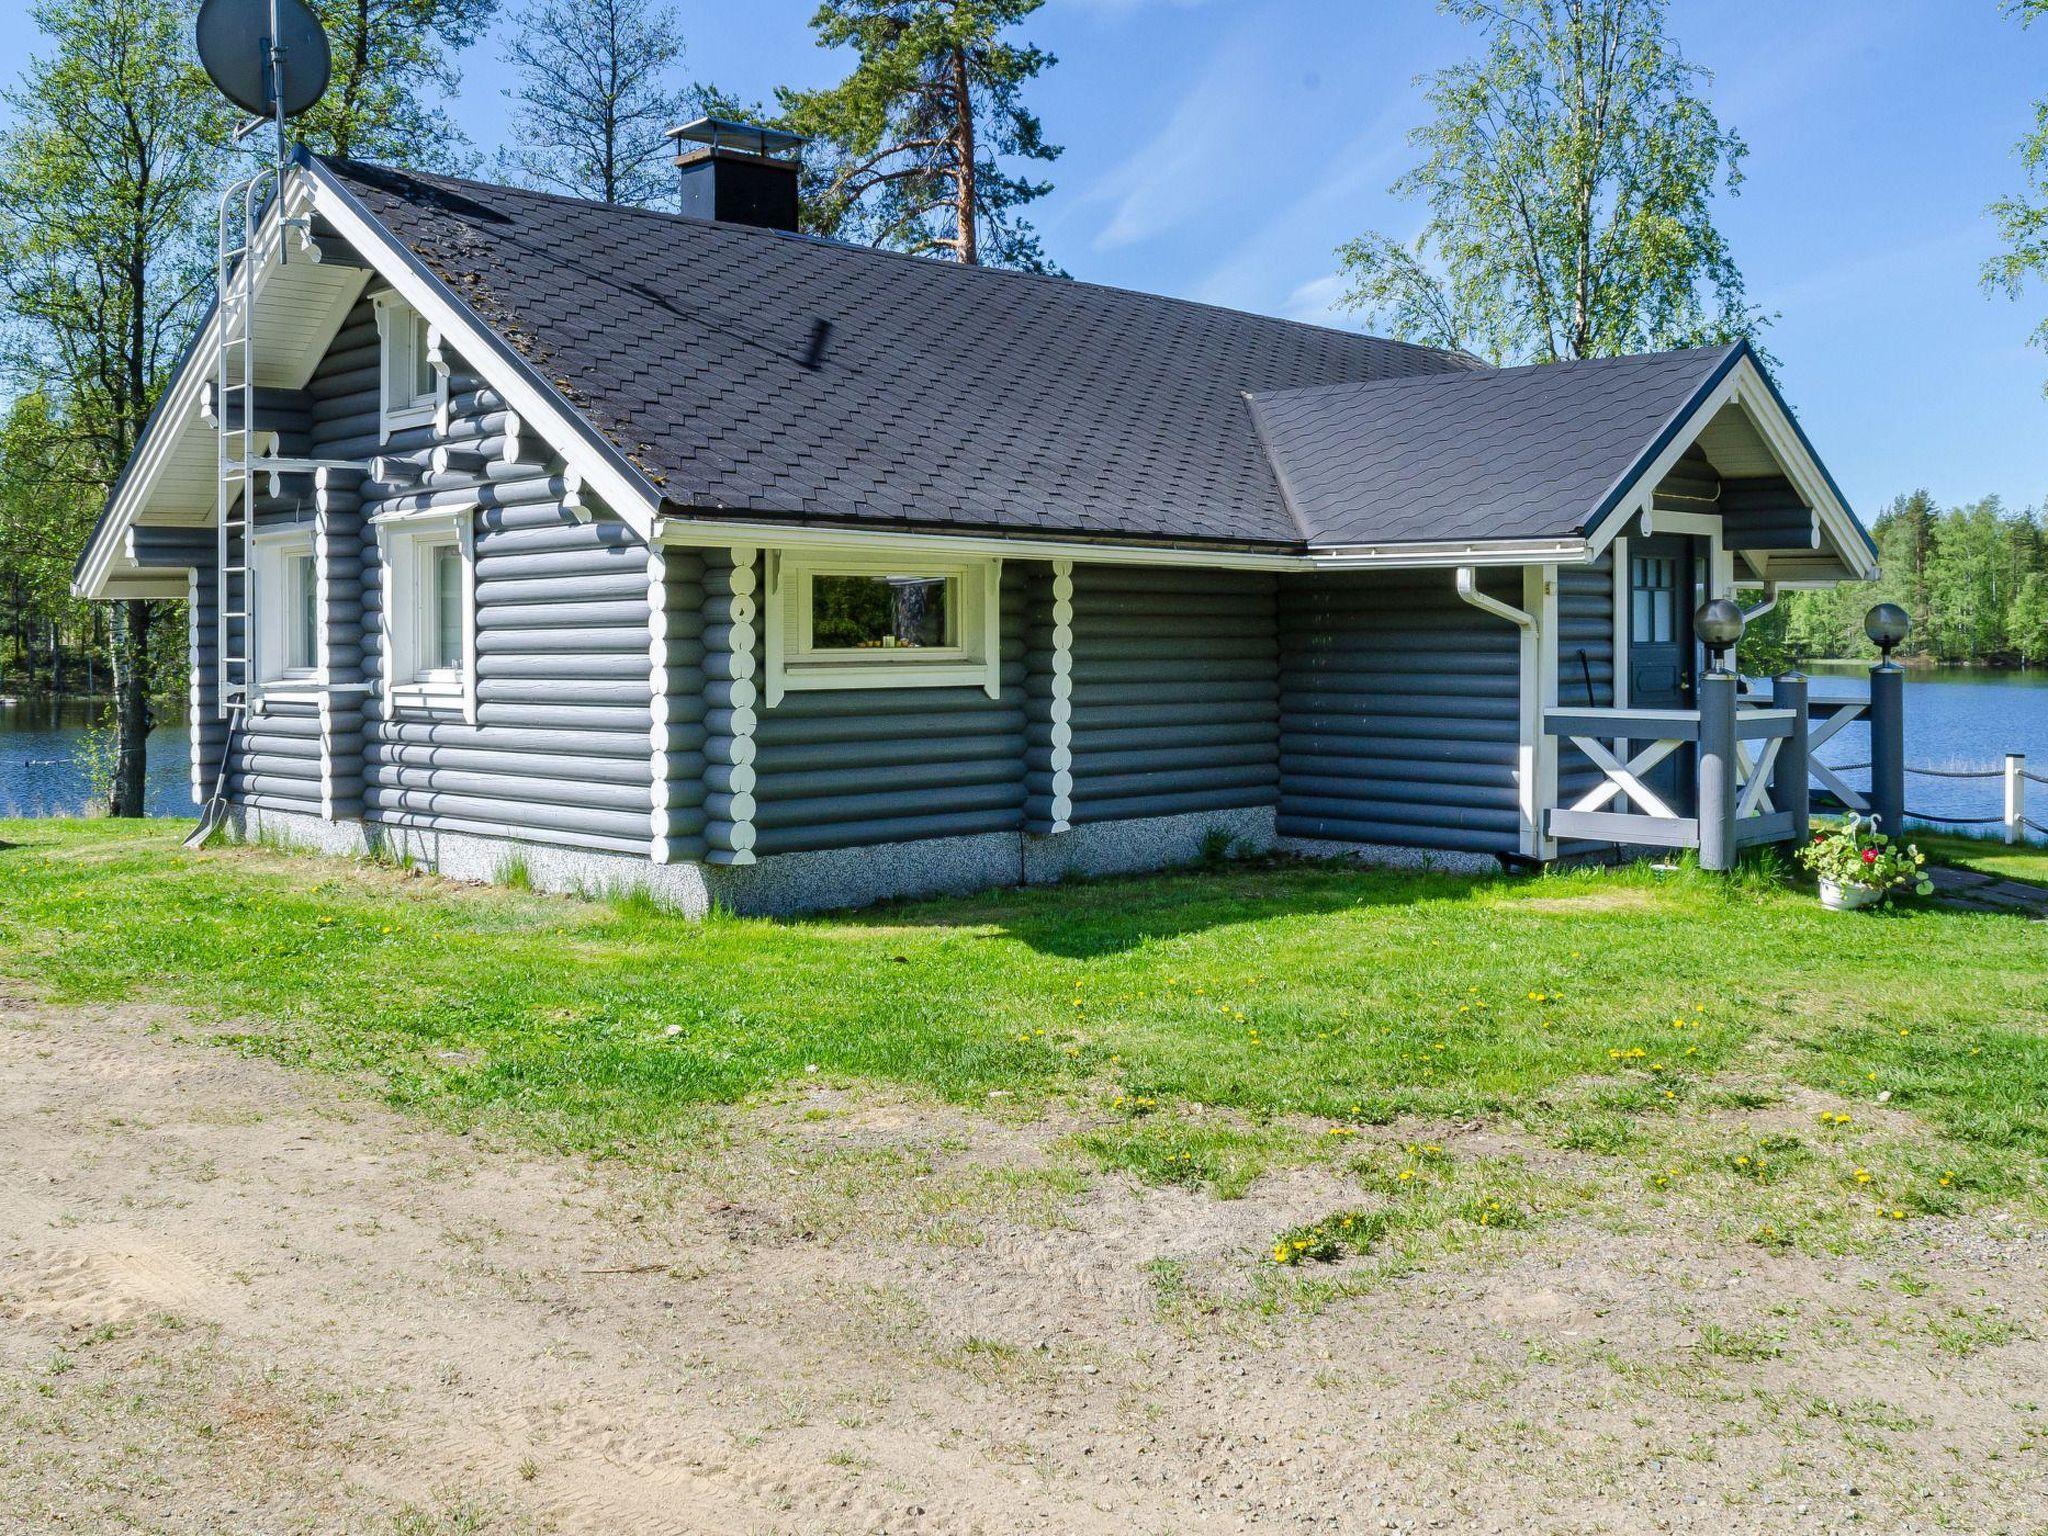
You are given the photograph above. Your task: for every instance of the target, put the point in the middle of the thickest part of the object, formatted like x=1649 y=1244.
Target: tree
x=595 y=96
x=46 y=508
x=1570 y=173
x=105 y=172
x=909 y=146
x=393 y=60
x=2022 y=219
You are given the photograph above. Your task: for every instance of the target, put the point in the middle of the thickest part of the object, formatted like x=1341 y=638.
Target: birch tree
x=1569 y=173
x=593 y=98
x=106 y=170
x=2022 y=219
x=393 y=66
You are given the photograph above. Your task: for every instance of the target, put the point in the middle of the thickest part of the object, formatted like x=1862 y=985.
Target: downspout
x=1468 y=589
x=1529 y=751
x=1770 y=601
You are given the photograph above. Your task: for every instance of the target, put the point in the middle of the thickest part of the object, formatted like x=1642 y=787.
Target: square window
x=868 y=621
x=410 y=393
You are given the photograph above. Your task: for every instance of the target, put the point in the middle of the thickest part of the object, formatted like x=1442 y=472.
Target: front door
x=1660 y=646
x=1660 y=643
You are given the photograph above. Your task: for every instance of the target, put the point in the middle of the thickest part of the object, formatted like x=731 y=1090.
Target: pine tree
x=909 y=147
x=393 y=65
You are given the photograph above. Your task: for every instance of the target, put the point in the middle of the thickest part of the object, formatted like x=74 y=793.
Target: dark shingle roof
x=946 y=396
x=1501 y=454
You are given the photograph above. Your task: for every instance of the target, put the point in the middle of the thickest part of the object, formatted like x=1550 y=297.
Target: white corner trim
x=596 y=463
x=1060 y=709
x=733 y=780
x=660 y=739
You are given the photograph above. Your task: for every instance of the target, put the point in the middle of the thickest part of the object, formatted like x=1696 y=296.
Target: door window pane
x=1653 y=599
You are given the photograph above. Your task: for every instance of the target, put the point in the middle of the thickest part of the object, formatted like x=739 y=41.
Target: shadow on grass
x=1084 y=918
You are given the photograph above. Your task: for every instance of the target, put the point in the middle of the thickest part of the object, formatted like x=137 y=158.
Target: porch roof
x=1550 y=451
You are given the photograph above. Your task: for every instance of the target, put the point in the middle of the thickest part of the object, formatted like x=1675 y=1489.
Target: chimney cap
x=718 y=133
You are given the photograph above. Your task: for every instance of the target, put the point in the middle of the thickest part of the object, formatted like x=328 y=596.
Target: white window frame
x=405 y=544
x=400 y=337
x=793 y=664
x=275 y=616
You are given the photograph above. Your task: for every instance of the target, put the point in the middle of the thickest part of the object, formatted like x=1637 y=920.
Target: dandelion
x=1863 y=1175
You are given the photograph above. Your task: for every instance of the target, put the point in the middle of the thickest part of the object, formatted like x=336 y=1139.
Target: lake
x=40 y=774
x=1955 y=718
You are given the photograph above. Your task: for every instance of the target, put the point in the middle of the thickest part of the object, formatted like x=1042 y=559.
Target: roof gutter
x=706 y=532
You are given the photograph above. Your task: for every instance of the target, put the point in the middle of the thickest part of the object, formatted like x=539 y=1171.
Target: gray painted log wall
x=838 y=768
x=1176 y=693
x=1399 y=711
x=1585 y=648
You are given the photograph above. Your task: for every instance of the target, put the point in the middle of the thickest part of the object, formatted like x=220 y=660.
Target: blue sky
x=1222 y=149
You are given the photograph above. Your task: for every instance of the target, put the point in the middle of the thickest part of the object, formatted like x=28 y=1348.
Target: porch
x=1740 y=771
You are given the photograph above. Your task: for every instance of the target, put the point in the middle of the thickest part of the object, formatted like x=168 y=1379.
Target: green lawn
x=1199 y=1027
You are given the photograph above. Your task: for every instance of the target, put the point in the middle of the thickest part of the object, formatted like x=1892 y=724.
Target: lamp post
x=1887 y=624
x=1718 y=623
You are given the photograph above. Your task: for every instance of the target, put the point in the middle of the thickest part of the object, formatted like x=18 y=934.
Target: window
x=411 y=381
x=287 y=610
x=429 y=629
x=861 y=612
x=1653 y=599
x=862 y=621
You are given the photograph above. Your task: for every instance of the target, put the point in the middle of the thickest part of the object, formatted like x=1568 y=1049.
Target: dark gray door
x=1660 y=643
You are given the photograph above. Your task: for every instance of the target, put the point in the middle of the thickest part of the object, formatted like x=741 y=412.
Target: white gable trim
x=603 y=469
x=1745 y=385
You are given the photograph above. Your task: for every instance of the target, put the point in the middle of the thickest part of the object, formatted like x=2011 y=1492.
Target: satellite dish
x=235 y=38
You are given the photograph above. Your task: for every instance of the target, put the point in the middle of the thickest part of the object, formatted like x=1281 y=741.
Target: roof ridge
x=1462 y=362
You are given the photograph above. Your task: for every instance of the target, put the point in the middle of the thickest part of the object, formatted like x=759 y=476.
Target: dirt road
x=238 y=1298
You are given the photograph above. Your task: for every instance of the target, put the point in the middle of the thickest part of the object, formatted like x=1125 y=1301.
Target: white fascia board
x=179 y=411
x=604 y=470
x=709 y=533
x=1573 y=551
x=1802 y=469
x=718 y=533
x=1746 y=385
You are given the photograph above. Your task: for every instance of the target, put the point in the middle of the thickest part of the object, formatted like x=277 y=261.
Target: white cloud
x=1315 y=302
x=1185 y=168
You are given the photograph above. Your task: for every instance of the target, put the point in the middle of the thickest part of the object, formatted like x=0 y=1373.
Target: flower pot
x=1847 y=898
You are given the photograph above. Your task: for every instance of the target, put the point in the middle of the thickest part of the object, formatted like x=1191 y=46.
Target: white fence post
x=2015 y=797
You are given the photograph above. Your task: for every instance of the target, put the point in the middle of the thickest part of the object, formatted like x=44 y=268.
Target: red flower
x=1870 y=855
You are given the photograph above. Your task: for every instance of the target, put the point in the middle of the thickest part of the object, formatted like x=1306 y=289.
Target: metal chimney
x=738 y=173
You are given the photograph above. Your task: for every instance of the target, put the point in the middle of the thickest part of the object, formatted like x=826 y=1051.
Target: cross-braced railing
x=1743 y=781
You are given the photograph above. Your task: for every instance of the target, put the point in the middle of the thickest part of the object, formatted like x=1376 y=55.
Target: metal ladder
x=234 y=384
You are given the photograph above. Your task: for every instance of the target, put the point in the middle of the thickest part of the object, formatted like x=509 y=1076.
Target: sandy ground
x=236 y=1298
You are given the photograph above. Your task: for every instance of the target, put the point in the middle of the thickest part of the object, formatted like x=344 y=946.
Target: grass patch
x=1205 y=1026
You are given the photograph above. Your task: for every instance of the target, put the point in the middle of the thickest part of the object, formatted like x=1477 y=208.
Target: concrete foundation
x=789 y=883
